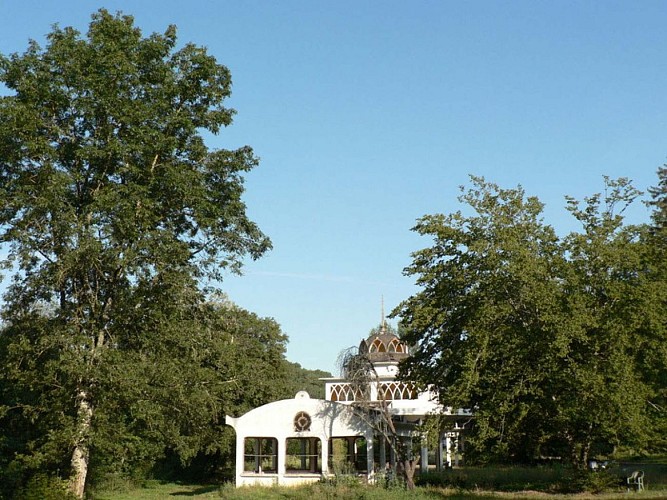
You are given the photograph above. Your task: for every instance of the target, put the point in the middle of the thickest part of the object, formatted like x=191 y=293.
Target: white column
x=382 y=442
x=441 y=451
x=369 y=457
x=325 y=455
x=281 y=452
x=462 y=446
x=456 y=450
x=448 y=446
x=374 y=391
x=240 y=456
x=423 y=459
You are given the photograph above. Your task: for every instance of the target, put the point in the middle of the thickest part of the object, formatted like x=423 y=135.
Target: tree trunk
x=585 y=449
x=80 y=454
x=410 y=467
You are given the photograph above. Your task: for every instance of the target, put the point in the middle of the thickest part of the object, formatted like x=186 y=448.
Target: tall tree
x=485 y=313
x=657 y=267
x=659 y=199
x=600 y=394
x=545 y=338
x=113 y=210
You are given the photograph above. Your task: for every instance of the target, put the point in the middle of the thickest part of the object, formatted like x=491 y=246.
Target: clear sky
x=370 y=114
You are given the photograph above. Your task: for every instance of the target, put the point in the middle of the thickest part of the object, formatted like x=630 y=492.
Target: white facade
x=290 y=442
x=406 y=404
x=301 y=440
x=402 y=398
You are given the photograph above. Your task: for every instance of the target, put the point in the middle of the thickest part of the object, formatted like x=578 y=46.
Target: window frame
x=259 y=456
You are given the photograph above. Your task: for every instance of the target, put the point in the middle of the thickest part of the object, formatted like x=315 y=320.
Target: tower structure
x=407 y=405
x=300 y=440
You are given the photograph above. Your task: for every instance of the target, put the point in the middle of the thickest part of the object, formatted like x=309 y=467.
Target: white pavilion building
x=294 y=441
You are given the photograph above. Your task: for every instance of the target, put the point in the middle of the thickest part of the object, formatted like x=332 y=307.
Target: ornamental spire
x=383 y=325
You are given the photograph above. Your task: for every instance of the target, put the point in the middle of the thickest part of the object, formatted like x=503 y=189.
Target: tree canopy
x=659 y=199
x=114 y=213
x=557 y=344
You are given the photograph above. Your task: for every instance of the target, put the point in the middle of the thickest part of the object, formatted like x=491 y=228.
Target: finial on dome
x=383 y=324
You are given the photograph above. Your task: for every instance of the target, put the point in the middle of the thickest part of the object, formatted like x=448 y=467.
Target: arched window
x=344 y=392
x=377 y=346
x=396 y=346
x=396 y=390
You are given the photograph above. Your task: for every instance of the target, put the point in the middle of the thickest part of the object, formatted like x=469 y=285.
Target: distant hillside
x=302 y=379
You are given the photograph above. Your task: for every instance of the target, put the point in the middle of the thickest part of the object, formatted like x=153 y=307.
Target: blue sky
x=369 y=114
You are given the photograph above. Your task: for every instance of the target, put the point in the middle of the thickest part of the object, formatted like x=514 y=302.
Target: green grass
x=499 y=478
x=547 y=479
x=492 y=482
x=154 y=490
x=331 y=492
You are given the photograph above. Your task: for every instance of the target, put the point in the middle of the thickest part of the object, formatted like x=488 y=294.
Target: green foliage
x=546 y=479
x=470 y=482
x=558 y=344
x=43 y=487
x=551 y=479
x=598 y=481
x=659 y=199
x=328 y=490
x=239 y=365
x=302 y=379
x=114 y=212
x=390 y=481
x=110 y=484
x=158 y=490
x=658 y=268
x=369 y=492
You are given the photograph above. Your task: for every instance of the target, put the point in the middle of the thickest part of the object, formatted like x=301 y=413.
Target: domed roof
x=384 y=346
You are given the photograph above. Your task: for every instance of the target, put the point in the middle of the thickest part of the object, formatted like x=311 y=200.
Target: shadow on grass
x=194 y=492
x=463 y=496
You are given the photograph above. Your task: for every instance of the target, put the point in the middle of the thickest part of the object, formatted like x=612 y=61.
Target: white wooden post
x=423 y=460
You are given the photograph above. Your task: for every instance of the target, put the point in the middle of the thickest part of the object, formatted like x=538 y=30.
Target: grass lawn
x=491 y=482
x=158 y=490
x=154 y=490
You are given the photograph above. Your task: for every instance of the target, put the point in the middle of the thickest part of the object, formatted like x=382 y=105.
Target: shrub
x=598 y=481
x=113 y=482
x=551 y=479
x=44 y=487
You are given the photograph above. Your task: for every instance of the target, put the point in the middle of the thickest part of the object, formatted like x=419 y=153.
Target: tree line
x=557 y=343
